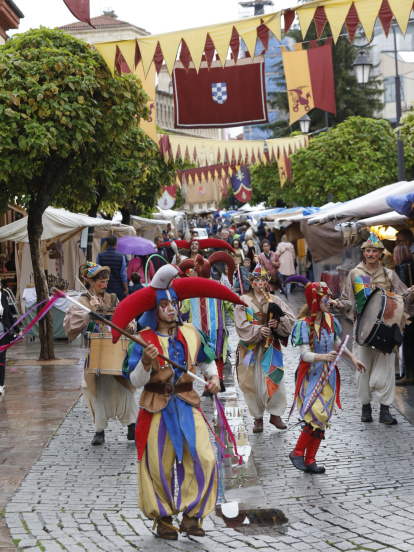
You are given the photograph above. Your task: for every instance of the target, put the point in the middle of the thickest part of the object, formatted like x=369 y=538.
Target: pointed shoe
x=314 y=468
x=298 y=461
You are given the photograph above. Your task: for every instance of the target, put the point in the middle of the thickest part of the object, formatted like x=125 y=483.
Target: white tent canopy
x=148 y=228
x=386 y=219
x=366 y=206
x=56 y=222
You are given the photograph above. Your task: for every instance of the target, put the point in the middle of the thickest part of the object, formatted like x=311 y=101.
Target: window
x=389 y=89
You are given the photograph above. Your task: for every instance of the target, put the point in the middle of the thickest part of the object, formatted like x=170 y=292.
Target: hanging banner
x=283 y=162
x=169 y=195
x=80 y=9
x=309 y=79
x=218 y=97
x=241 y=184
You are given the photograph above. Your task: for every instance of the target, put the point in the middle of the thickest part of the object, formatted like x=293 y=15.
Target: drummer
x=106 y=396
x=379 y=379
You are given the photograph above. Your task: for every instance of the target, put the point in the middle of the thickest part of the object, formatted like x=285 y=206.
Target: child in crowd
x=244 y=272
x=136 y=282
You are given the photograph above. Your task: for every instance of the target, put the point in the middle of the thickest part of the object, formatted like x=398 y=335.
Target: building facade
x=10 y=16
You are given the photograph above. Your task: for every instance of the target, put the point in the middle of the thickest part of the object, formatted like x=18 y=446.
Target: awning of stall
x=368 y=205
x=149 y=228
x=56 y=223
x=386 y=219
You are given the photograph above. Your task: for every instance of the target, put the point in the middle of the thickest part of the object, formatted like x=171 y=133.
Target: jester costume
x=208 y=314
x=317 y=384
x=379 y=379
x=171 y=435
x=259 y=364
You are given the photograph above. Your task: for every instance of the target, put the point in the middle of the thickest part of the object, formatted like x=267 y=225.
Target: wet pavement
x=77 y=497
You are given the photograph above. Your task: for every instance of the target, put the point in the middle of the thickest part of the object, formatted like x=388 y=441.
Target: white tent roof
x=386 y=219
x=56 y=222
x=366 y=206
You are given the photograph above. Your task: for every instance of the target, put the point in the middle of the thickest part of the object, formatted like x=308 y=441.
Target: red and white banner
x=169 y=195
x=220 y=97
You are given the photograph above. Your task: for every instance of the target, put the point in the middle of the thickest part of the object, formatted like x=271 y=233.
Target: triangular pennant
x=108 y=52
x=235 y=44
x=385 y=17
x=336 y=17
x=263 y=35
x=320 y=20
x=158 y=58
x=351 y=22
x=401 y=10
x=185 y=57
x=368 y=13
x=289 y=17
x=209 y=50
x=147 y=47
x=221 y=41
x=137 y=57
x=305 y=16
x=274 y=25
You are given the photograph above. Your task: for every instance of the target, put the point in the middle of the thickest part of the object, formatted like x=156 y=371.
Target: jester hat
x=164 y=285
x=91 y=270
x=203 y=266
x=373 y=242
x=258 y=272
x=314 y=291
x=204 y=243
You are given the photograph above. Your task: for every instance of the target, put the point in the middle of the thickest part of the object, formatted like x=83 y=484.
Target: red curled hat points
x=205 y=243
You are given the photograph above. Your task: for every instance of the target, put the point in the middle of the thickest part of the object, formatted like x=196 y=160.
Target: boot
x=311 y=450
x=366 y=415
x=192 y=526
x=165 y=528
x=277 y=422
x=131 y=432
x=298 y=453
x=385 y=416
x=258 y=425
x=98 y=438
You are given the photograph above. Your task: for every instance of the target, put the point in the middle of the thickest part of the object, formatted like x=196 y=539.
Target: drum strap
x=388 y=278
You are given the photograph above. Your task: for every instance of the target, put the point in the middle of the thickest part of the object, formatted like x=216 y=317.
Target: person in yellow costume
x=171 y=435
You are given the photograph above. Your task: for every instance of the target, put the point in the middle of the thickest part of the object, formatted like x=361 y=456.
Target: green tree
x=407 y=129
x=351 y=99
x=353 y=159
x=57 y=99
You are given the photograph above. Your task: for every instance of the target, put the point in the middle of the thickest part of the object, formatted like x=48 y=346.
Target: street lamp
x=304 y=123
x=362 y=66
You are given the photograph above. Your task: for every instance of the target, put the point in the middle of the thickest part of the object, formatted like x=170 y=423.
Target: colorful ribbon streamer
x=225 y=427
x=326 y=374
x=36 y=319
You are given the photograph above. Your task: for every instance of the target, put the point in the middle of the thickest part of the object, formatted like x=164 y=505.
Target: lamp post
x=362 y=66
x=304 y=123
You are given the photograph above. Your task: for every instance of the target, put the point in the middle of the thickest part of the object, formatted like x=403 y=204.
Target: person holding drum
x=106 y=396
x=316 y=332
x=379 y=379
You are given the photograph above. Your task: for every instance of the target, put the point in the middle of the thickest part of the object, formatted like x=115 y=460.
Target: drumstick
x=136 y=338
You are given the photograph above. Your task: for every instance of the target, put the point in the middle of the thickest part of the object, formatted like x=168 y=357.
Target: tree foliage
x=351 y=99
x=356 y=157
x=407 y=129
x=60 y=110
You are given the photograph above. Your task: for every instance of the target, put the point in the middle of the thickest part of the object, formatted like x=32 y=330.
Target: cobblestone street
x=77 y=497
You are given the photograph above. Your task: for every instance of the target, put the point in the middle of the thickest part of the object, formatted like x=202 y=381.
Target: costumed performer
x=195 y=246
x=379 y=379
x=259 y=360
x=207 y=314
x=170 y=427
x=107 y=397
x=316 y=333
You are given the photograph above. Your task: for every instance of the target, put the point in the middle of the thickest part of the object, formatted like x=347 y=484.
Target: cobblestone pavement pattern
x=78 y=497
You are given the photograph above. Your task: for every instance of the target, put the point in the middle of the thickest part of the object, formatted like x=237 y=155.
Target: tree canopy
x=356 y=157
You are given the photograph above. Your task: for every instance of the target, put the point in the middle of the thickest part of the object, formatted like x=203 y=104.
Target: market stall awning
x=366 y=206
x=56 y=222
x=386 y=219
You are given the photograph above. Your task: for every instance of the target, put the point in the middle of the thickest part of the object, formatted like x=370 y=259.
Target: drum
x=380 y=322
x=105 y=358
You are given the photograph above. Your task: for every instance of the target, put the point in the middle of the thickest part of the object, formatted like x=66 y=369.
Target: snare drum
x=106 y=358
x=380 y=322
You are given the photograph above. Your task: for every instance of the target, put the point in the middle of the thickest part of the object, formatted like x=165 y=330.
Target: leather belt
x=168 y=389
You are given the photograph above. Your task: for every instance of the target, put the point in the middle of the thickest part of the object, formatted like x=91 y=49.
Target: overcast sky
x=155 y=16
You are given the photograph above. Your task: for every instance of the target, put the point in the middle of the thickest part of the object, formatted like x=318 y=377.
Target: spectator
x=272 y=239
x=118 y=281
x=170 y=252
x=6 y=322
x=238 y=254
x=136 y=282
x=244 y=272
x=270 y=262
x=225 y=236
x=404 y=268
x=143 y=266
x=157 y=263
x=225 y=278
x=286 y=254
x=405 y=237
x=194 y=235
